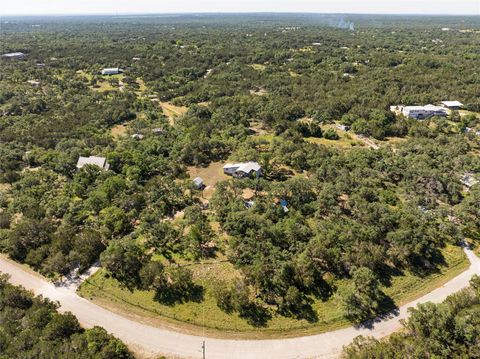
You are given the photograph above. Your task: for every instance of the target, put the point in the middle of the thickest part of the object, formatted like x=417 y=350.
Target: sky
x=42 y=7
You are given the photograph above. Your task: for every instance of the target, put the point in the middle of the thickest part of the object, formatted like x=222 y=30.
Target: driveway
x=152 y=341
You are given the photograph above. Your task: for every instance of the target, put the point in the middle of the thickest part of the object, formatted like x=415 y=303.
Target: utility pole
x=203 y=349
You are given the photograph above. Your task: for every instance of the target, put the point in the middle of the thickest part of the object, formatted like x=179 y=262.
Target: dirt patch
x=118 y=131
x=210 y=175
x=172 y=111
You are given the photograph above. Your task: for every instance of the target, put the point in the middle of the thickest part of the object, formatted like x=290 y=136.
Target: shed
x=198 y=183
x=452 y=105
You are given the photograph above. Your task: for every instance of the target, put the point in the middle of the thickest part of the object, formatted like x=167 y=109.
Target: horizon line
x=231 y=13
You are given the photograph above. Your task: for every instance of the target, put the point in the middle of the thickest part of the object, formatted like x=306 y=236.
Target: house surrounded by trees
x=243 y=169
x=93 y=160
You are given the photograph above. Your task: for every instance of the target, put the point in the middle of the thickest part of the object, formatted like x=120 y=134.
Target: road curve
x=153 y=341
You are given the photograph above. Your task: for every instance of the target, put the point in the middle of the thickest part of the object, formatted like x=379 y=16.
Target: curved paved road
x=154 y=341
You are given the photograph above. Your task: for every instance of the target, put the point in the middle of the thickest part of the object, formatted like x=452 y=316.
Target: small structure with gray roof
x=198 y=183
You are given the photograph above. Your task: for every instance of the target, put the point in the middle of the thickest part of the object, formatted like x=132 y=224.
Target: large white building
x=421 y=112
x=112 y=71
x=14 y=55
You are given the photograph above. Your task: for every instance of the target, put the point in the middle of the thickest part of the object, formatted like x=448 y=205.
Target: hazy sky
x=38 y=7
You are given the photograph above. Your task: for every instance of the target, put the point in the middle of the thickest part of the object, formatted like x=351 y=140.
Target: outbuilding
x=198 y=183
x=452 y=105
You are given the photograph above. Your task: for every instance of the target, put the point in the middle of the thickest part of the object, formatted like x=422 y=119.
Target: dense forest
x=349 y=191
x=31 y=327
x=447 y=330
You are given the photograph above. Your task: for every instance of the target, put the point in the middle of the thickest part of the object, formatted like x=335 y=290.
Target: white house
x=112 y=71
x=14 y=55
x=452 y=105
x=421 y=112
x=93 y=160
x=243 y=169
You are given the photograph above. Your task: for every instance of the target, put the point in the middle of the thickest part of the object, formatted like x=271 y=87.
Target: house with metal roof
x=452 y=105
x=93 y=160
x=243 y=169
x=422 y=112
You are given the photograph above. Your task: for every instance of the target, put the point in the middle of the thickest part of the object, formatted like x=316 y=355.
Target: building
x=422 y=112
x=468 y=180
x=243 y=169
x=137 y=136
x=112 y=71
x=34 y=83
x=198 y=183
x=14 y=55
x=93 y=160
x=452 y=105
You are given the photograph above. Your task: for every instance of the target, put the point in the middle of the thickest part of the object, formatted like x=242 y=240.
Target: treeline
x=31 y=327
x=447 y=330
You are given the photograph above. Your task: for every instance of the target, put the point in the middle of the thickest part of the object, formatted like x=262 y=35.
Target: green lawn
x=207 y=317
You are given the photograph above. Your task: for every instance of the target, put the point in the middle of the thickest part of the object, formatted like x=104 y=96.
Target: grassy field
x=206 y=317
x=210 y=175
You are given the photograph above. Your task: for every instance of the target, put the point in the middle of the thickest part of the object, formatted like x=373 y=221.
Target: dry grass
x=5 y=187
x=259 y=92
x=258 y=67
x=210 y=175
x=206 y=317
x=118 y=131
x=172 y=111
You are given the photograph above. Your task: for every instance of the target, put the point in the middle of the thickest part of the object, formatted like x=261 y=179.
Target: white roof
x=14 y=54
x=452 y=103
x=232 y=165
x=92 y=160
x=111 y=70
x=249 y=167
x=423 y=108
x=244 y=166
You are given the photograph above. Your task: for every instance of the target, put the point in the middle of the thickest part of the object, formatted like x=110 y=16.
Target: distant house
x=198 y=183
x=93 y=160
x=452 y=105
x=468 y=180
x=14 y=55
x=343 y=127
x=243 y=169
x=138 y=136
x=158 y=131
x=112 y=71
x=34 y=83
x=422 y=112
